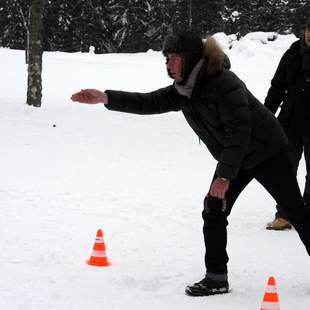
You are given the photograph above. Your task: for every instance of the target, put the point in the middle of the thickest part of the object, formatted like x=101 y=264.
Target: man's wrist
x=104 y=98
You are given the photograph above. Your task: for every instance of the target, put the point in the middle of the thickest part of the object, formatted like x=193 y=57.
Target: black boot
x=207 y=286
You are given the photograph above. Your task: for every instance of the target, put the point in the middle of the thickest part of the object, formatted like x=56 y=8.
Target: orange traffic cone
x=98 y=256
x=270 y=300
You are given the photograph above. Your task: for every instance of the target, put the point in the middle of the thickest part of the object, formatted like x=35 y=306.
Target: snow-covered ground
x=69 y=169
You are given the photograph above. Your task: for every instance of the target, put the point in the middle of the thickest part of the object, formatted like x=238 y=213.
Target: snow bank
x=255 y=44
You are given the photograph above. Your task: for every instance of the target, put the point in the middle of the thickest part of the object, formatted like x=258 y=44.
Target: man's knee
x=214 y=210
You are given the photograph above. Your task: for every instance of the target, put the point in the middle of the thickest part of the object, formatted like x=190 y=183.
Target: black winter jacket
x=291 y=87
x=237 y=129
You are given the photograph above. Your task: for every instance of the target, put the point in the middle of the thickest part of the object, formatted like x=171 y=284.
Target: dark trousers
x=298 y=145
x=278 y=178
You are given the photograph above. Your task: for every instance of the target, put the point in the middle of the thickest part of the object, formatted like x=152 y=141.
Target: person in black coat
x=243 y=136
x=290 y=87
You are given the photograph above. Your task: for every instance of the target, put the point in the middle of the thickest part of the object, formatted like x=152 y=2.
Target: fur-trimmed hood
x=216 y=59
x=192 y=48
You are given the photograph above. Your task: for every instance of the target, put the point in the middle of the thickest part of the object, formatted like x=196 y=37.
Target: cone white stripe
x=270 y=306
x=99 y=240
x=98 y=253
x=271 y=289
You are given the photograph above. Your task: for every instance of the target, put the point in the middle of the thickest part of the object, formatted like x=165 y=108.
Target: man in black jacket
x=291 y=87
x=242 y=135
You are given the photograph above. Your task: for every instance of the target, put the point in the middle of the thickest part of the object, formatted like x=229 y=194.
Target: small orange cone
x=270 y=300
x=98 y=256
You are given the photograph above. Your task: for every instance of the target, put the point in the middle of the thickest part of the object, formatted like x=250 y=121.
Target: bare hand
x=90 y=96
x=219 y=188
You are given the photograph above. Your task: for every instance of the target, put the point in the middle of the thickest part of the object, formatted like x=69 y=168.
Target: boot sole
x=198 y=293
x=279 y=228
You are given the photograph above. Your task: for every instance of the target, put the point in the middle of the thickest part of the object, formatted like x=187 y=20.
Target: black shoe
x=207 y=287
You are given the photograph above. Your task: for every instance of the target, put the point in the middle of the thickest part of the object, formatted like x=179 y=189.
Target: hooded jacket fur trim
x=215 y=56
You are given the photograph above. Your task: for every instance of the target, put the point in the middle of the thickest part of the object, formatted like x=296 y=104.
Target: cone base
x=98 y=264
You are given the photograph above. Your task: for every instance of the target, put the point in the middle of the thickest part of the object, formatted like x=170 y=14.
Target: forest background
x=113 y=26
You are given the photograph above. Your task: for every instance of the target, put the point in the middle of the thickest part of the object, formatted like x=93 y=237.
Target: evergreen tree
x=182 y=18
x=101 y=37
x=299 y=10
x=248 y=16
x=58 y=30
x=130 y=23
x=233 y=17
x=276 y=16
x=159 y=22
x=207 y=16
x=14 y=22
x=82 y=23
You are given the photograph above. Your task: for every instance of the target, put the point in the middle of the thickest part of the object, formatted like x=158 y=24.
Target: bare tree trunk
x=34 y=91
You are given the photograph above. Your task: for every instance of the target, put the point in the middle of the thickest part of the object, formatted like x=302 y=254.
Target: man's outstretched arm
x=159 y=101
x=90 y=96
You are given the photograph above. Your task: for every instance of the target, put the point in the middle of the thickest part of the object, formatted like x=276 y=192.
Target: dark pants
x=280 y=181
x=297 y=146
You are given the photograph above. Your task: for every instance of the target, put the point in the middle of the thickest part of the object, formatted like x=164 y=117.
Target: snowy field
x=68 y=169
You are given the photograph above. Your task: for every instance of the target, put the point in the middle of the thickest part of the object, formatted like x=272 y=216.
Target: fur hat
x=188 y=45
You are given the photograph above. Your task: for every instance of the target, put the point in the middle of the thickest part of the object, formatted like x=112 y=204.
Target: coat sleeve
x=277 y=90
x=235 y=115
x=160 y=101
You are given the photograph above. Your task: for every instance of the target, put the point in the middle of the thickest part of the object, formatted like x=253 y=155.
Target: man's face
x=307 y=36
x=174 y=66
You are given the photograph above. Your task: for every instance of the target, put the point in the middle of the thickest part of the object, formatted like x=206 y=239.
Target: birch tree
x=34 y=91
